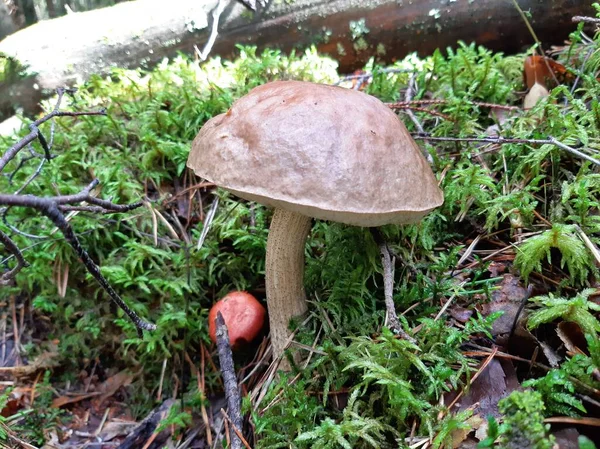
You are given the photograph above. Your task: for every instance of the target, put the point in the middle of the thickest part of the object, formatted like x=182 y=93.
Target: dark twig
x=428 y=111
x=388 y=285
x=14 y=229
x=140 y=435
x=585 y=19
x=56 y=216
x=232 y=392
x=407 y=104
x=10 y=246
x=35 y=134
x=251 y=4
x=503 y=140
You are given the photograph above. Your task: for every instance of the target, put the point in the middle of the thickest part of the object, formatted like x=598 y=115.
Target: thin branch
x=35 y=134
x=51 y=211
x=406 y=104
x=580 y=72
x=585 y=19
x=411 y=88
x=37 y=202
x=214 y=31
x=232 y=391
x=12 y=248
x=388 y=285
x=504 y=140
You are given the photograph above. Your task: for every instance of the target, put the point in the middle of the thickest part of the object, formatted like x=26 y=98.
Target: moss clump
x=523 y=425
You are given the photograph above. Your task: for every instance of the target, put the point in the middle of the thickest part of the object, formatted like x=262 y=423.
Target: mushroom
x=313 y=151
x=243 y=314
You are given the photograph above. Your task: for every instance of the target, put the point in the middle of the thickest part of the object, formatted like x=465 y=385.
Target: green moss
x=524 y=422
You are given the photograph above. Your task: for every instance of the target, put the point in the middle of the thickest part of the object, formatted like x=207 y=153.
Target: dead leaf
x=482 y=432
x=111 y=385
x=508 y=299
x=572 y=336
x=116 y=428
x=485 y=391
x=551 y=355
x=460 y=314
x=17 y=399
x=496 y=268
x=536 y=71
x=544 y=70
x=71 y=399
x=460 y=435
x=567 y=438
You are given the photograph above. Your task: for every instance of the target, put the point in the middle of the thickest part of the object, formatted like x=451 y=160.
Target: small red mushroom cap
x=244 y=316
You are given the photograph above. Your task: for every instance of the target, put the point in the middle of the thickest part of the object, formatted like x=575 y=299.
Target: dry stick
x=36 y=134
x=406 y=104
x=407 y=98
x=214 y=31
x=236 y=430
x=580 y=71
x=13 y=249
x=585 y=19
x=504 y=140
x=232 y=392
x=388 y=285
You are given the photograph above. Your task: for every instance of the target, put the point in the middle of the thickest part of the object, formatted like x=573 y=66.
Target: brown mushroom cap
x=318 y=150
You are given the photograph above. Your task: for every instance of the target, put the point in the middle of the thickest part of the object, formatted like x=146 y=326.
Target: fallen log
x=60 y=51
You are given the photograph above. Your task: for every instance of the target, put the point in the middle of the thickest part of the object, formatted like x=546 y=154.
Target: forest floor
x=498 y=287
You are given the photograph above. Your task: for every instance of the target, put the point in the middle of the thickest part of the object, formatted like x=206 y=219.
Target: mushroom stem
x=284 y=274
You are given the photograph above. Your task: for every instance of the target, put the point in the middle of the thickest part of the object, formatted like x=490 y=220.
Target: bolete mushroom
x=313 y=150
x=243 y=314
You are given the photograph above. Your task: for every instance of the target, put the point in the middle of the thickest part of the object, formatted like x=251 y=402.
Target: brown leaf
x=496 y=268
x=117 y=428
x=508 y=299
x=572 y=336
x=110 y=386
x=460 y=314
x=551 y=355
x=71 y=399
x=485 y=391
x=536 y=71
x=567 y=438
x=460 y=435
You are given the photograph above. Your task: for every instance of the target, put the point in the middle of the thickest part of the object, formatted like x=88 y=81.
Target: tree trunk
x=141 y=33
